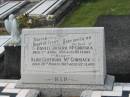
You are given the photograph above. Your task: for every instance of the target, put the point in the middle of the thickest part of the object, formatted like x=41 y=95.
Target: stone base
x=12 y=59
x=67 y=90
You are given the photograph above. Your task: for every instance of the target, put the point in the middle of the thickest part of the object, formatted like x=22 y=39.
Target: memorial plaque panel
x=63 y=56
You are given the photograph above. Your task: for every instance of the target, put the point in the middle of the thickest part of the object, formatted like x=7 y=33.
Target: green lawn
x=88 y=12
x=3 y=33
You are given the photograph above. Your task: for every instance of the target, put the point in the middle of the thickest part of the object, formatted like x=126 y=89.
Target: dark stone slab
x=12 y=59
x=117 y=35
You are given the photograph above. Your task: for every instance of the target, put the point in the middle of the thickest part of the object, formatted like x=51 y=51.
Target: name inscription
x=50 y=50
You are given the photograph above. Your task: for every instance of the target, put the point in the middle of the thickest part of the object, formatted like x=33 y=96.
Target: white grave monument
x=64 y=58
x=12 y=28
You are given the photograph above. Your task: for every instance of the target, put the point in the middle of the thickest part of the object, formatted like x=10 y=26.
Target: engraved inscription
x=54 y=51
x=61 y=79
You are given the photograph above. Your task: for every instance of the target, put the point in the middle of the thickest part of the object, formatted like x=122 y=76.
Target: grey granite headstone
x=63 y=59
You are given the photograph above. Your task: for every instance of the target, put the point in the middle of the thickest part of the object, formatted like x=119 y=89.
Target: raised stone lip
x=67 y=90
x=109 y=82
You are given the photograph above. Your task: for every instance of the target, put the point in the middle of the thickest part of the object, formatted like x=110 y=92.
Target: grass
x=87 y=13
x=3 y=33
x=2 y=30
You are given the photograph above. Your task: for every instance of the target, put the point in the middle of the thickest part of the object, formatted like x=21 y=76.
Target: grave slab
x=64 y=60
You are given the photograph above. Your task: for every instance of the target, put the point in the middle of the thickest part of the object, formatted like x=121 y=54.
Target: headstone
x=63 y=58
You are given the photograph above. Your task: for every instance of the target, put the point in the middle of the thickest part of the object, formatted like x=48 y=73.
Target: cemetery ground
x=88 y=12
x=113 y=15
